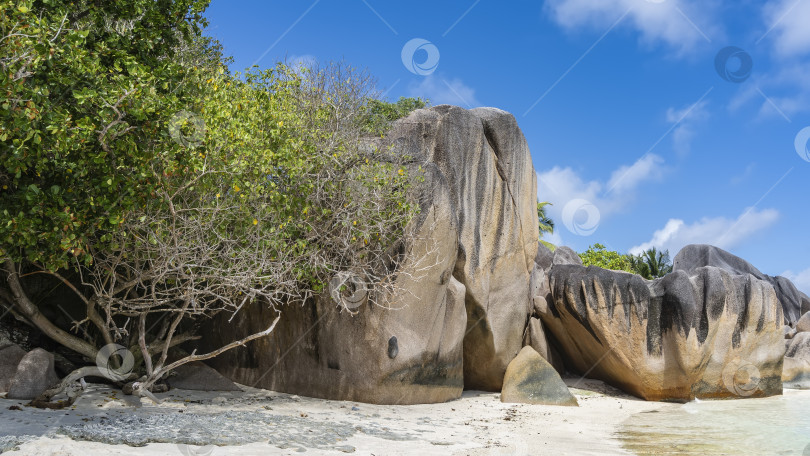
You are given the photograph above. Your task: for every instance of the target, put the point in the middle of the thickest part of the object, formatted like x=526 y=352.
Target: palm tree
x=652 y=263
x=545 y=223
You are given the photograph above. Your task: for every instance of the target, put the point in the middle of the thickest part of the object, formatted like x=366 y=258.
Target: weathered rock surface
x=200 y=377
x=10 y=356
x=530 y=379
x=803 y=325
x=35 y=374
x=537 y=336
x=486 y=160
x=537 y=339
x=461 y=324
x=704 y=334
x=794 y=302
x=796 y=371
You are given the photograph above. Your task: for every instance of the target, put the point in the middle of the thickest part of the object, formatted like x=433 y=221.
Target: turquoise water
x=778 y=425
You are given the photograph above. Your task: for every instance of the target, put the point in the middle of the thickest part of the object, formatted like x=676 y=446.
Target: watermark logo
x=187 y=129
x=420 y=56
x=115 y=362
x=803 y=144
x=581 y=217
x=733 y=64
x=348 y=290
x=741 y=378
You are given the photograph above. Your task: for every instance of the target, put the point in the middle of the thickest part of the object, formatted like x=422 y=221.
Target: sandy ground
x=476 y=424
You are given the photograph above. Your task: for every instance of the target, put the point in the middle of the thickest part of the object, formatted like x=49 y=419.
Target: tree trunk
x=30 y=311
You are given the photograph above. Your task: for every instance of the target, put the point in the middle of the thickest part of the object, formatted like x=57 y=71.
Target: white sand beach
x=476 y=424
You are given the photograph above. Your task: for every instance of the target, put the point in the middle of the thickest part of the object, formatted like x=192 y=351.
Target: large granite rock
x=703 y=334
x=536 y=334
x=493 y=186
x=803 y=325
x=796 y=371
x=459 y=326
x=10 y=357
x=537 y=339
x=794 y=302
x=35 y=374
x=530 y=379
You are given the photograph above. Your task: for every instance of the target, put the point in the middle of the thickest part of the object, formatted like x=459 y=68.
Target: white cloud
x=679 y=23
x=801 y=279
x=686 y=118
x=627 y=178
x=783 y=92
x=443 y=91
x=719 y=231
x=562 y=185
x=787 y=20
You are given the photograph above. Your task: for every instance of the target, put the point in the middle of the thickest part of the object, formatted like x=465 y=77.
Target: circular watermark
x=802 y=144
x=733 y=64
x=193 y=450
x=581 y=217
x=115 y=362
x=420 y=56
x=187 y=129
x=515 y=447
x=741 y=378
x=348 y=290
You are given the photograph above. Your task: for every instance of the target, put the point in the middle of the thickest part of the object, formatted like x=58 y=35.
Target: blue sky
x=645 y=128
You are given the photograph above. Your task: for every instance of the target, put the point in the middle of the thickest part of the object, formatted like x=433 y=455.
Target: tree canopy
x=89 y=90
x=598 y=255
x=161 y=189
x=650 y=264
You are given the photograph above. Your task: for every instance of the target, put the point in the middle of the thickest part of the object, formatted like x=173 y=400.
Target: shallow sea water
x=778 y=425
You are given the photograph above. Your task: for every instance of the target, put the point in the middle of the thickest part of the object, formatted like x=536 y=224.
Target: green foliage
x=378 y=114
x=129 y=153
x=88 y=90
x=544 y=222
x=268 y=204
x=598 y=255
x=651 y=264
x=270 y=177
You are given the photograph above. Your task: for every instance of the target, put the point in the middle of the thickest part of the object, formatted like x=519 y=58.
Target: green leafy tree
x=274 y=201
x=133 y=160
x=651 y=264
x=89 y=89
x=598 y=255
x=378 y=114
